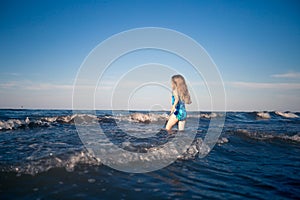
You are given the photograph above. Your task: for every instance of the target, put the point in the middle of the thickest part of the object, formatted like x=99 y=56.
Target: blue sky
x=255 y=44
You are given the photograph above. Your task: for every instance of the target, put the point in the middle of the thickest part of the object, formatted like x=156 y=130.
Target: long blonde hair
x=181 y=88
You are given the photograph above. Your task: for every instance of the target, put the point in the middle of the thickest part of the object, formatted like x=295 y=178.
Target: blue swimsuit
x=180 y=111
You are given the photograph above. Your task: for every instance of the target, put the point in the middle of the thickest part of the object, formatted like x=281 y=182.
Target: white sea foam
x=209 y=116
x=88 y=118
x=205 y=115
x=222 y=140
x=11 y=124
x=70 y=118
x=268 y=136
x=35 y=166
x=295 y=138
x=17 y=123
x=286 y=114
x=69 y=162
x=263 y=115
x=147 y=118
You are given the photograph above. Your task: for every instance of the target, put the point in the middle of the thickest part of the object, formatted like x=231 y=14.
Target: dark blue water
x=256 y=157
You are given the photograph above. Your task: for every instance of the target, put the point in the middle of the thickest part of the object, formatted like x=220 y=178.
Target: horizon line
x=144 y=110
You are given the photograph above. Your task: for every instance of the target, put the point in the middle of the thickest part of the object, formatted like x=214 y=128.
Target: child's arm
x=175 y=102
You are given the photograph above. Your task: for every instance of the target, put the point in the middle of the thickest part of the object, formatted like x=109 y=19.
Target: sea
x=43 y=156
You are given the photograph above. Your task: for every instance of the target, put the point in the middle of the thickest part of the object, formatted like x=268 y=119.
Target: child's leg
x=181 y=125
x=171 y=122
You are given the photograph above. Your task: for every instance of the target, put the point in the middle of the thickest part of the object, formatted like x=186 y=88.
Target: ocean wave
x=268 y=136
x=295 y=138
x=273 y=115
x=263 y=115
x=13 y=124
x=70 y=161
x=147 y=118
x=80 y=118
x=10 y=124
x=286 y=114
x=152 y=117
x=137 y=117
x=222 y=140
x=209 y=116
x=206 y=115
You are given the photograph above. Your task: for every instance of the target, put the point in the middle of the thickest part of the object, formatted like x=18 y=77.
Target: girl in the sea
x=180 y=97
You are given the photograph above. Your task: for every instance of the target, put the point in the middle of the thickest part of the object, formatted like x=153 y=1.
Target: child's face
x=173 y=85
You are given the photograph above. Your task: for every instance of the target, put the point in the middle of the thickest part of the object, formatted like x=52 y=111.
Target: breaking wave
x=136 y=117
x=268 y=136
x=275 y=115
x=70 y=161
x=12 y=124
x=16 y=123
x=286 y=114
x=263 y=115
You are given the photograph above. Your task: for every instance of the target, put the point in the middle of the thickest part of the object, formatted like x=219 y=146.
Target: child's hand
x=172 y=109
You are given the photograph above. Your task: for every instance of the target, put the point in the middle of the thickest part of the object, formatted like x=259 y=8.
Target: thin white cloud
x=47 y=86
x=10 y=74
x=8 y=85
x=28 y=85
x=38 y=86
x=287 y=75
x=257 y=85
x=14 y=74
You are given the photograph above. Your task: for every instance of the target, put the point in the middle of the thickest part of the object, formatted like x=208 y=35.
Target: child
x=180 y=97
